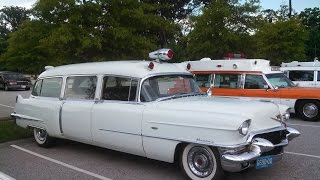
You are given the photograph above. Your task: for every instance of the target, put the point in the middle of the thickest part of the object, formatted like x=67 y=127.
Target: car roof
x=133 y=68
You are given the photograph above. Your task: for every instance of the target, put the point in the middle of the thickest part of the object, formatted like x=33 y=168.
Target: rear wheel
x=309 y=110
x=42 y=138
x=200 y=162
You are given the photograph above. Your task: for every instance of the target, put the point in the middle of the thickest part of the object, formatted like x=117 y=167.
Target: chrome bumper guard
x=234 y=162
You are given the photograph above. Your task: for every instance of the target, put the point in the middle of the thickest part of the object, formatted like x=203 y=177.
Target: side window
x=318 y=78
x=203 y=80
x=301 y=75
x=81 y=87
x=37 y=88
x=227 y=81
x=254 y=82
x=119 y=88
x=51 y=87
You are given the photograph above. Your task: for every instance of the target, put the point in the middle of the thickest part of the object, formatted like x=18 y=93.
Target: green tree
x=311 y=19
x=10 y=19
x=224 y=26
x=282 y=41
x=74 y=31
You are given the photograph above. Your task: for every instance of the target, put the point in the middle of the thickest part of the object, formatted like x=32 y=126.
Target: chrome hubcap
x=310 y=110
x=200 y=162
x=41 y=134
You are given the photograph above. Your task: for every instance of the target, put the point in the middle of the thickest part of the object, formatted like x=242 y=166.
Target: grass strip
x=9 y=131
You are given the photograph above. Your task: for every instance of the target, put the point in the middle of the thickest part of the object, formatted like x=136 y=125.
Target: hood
x=221 y=112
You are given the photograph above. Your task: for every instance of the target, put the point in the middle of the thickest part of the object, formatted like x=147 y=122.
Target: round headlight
x=244 y=128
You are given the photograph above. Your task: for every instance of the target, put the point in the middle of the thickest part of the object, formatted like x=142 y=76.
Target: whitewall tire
x=200 y=162
x=42 y=138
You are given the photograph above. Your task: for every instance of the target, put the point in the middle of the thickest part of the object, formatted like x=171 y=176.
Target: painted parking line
x=62 y=163
x=301 y=154
x=304 y=125
x=6 y=106
x=3 y=176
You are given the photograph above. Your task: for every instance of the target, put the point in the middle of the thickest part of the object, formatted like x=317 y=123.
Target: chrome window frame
x=61 y=89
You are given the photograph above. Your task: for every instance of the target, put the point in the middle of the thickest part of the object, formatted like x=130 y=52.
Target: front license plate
x=23 y=86
x=264 y=162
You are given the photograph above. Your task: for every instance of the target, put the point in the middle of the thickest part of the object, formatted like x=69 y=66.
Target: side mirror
x=276 y=88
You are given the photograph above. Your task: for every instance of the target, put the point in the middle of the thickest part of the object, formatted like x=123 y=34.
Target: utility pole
x=290 y=8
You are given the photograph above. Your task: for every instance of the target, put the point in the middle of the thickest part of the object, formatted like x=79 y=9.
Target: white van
x=304 y=74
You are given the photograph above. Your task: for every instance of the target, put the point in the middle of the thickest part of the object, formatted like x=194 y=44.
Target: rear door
x=227 y=84
x=76 y=110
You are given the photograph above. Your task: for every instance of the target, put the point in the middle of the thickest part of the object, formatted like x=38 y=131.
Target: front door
x=76 y=109
x=256 y=87
x=117 y=117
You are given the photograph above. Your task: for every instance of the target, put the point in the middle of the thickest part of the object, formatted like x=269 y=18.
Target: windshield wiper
x=179 y=95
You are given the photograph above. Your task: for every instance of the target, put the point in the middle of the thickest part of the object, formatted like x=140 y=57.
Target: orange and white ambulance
x=255 y=78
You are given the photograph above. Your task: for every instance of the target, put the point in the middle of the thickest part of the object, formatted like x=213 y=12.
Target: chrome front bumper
x=233 y=161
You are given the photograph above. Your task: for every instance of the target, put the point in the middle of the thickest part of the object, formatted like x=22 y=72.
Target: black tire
x=42 y=138
x=309 y=110
x=193 y=156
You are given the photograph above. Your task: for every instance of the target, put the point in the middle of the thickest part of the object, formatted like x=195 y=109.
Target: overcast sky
x=298 y=5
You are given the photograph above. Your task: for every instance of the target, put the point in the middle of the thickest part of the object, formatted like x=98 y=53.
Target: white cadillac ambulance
x=304 y=74
x=154 y=109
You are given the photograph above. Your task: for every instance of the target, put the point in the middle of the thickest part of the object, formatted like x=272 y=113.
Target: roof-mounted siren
x=234 y=56
x=48 y=67
x=161 y=55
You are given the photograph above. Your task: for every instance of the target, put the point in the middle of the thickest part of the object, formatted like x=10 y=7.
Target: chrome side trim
x=187 y=125
x=60 y=118
x=29 y=118
x=180 y=140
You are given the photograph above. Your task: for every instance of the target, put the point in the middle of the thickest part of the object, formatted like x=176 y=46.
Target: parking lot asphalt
x=23 y=159
x=7 y=101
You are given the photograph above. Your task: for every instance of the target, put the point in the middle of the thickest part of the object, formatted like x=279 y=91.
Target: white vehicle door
x=76 y=109
x=304 y=78
x=317 y=79
x=117 y=117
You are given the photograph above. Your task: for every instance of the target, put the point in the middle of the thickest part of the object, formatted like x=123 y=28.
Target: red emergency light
x=234 y=56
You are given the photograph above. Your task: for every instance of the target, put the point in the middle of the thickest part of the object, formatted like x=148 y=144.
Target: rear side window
x=301 y=75
x=119 y=88
x=203 y=80
x=81 y=87
x=318 y=76
x=227 y=81
x=37 y=88
x=51 y=87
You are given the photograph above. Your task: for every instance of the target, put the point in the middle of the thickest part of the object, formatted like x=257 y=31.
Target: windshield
x=13 y=76
x=166 y=86
x=279 y=80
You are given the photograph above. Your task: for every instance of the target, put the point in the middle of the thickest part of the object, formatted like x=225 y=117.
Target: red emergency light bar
x=234 y=56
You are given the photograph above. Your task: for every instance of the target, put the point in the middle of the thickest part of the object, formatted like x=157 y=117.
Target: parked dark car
x=11 y=80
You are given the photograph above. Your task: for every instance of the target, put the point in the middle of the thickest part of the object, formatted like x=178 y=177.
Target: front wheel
x=200 y=162
x=309 y=110
x=42 y=138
